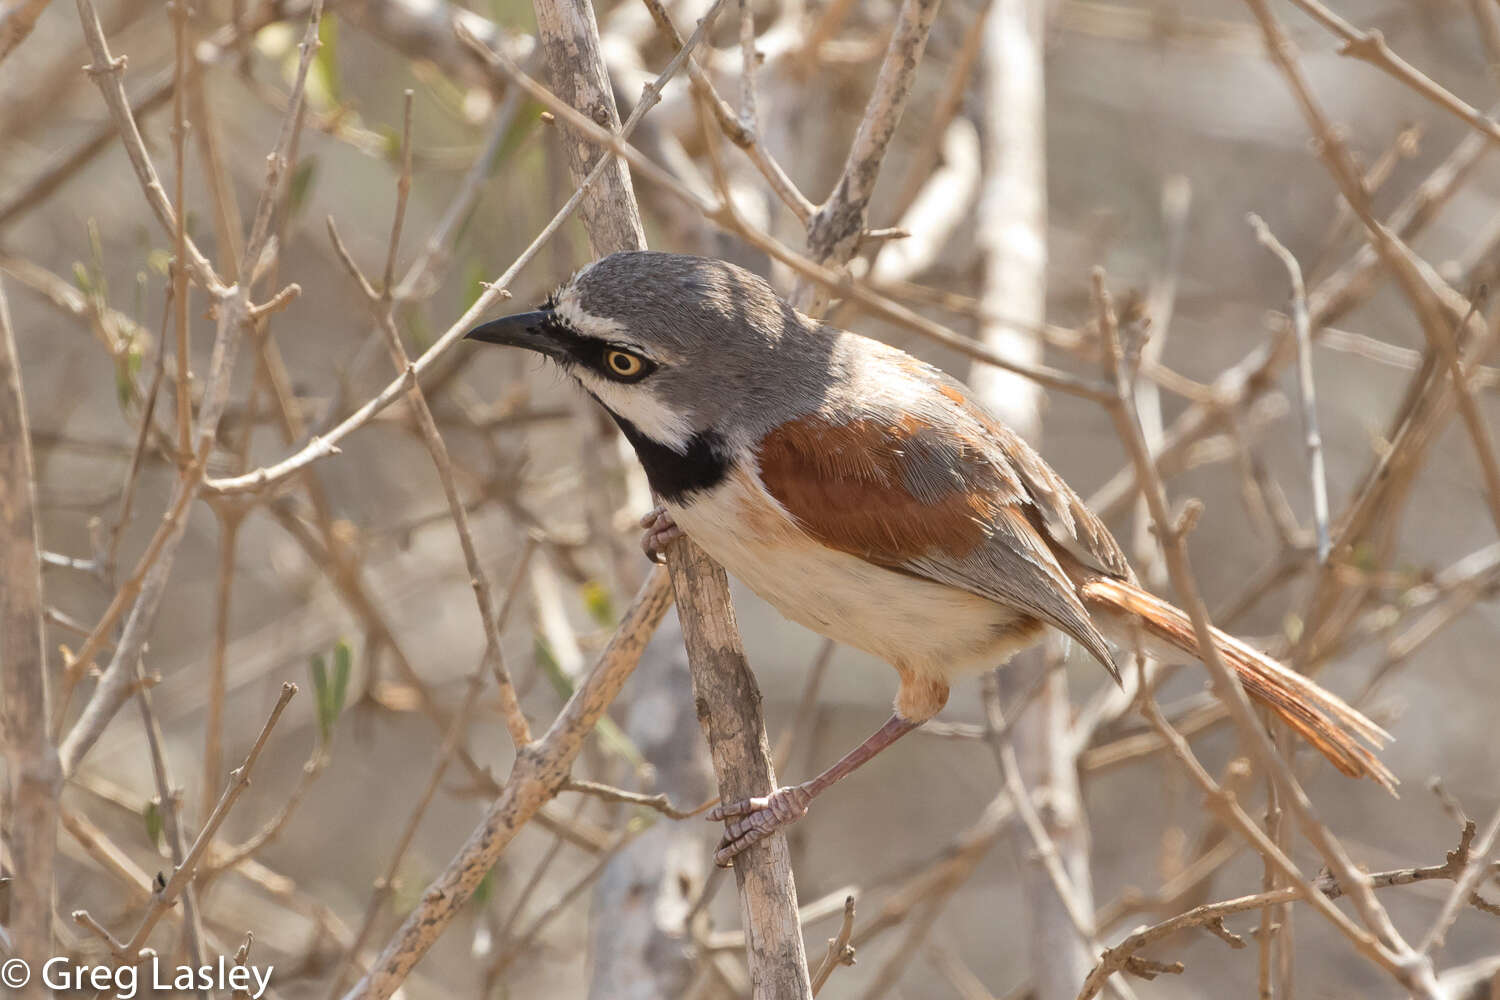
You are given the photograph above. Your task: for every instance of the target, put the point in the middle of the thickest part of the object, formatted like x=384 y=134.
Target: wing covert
x=943 y=504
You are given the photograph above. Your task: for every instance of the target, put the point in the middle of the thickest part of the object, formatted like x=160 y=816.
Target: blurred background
x=1165 y=124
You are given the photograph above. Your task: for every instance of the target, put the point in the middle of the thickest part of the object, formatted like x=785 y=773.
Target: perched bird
x=864 y=494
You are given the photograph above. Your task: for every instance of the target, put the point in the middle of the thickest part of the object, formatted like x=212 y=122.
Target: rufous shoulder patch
x=847 y=485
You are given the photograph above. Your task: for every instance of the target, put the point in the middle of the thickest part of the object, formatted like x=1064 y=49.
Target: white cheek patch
x=639 y=405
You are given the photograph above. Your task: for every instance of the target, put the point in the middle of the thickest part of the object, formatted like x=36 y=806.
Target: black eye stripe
x=593 y=353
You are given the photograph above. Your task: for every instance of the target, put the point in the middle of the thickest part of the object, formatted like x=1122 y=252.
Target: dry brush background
x=446 y=563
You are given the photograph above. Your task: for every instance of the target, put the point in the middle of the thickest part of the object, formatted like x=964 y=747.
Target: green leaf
x=123 y=387
x=601 y=606
x=390 y=140
x=160 y=261
x=321 y=694
x=419 y=330
x=324 y=88
x=614 y=739
x=484 y=890
x=525 y=121
x=301 y=184
x=127 y=369
x=82 y=278
x=547 y=663
x=96 y=249
x=154 y=824
x=474 y=278
x=343 y=659
x=611 y=737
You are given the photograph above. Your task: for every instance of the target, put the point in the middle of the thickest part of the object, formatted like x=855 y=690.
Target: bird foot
x=752 y=820
x=661 y=531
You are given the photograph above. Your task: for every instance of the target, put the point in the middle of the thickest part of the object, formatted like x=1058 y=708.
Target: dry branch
x=1385 y=945
x=1210 y=915
x=834 y=231
x=33 y=777
x=540 y=771
x=234 y=308
x=727 y=698
x=383 y=305
x=1305 y=384
x=17 y=19
x=183 y=873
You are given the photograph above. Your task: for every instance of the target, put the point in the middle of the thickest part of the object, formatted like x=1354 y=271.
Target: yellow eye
x=622 y=364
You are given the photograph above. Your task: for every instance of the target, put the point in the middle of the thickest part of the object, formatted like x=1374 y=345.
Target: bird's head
x=685 y=352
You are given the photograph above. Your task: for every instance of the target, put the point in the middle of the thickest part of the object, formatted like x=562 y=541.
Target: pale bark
x=639 y=946
x=538 y=775
x=727 y=698
x=728 y=703
x=16 y=21
x=1012 y=236
x=33 y=778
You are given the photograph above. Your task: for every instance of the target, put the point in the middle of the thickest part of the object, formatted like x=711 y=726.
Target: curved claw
x=752 y=820
x=661 y=531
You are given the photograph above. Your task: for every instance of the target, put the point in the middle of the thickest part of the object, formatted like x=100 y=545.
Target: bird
x=866 y=495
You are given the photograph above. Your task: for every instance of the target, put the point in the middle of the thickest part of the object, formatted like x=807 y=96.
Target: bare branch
x=16 y=22
x=834 y=232
x=33 y=777
x=538 y=775
x=1308 y=391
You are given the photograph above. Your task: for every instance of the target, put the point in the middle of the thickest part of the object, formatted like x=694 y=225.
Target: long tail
x=1123 y=611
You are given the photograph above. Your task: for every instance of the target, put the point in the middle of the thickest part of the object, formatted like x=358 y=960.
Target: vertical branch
x=234 y=311
x=1012 y=236
x=575 y=67
x=639 y=930
x=230 y=518
x=834 y=231
x=728 y=703
x=540 y=771
x=33 y=778
x=1384 y=942
x=727 y=697
x=170 y=799
x=1306 y=388
x=178 y=10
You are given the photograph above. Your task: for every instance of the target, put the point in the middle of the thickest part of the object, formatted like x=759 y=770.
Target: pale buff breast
x=926 y=627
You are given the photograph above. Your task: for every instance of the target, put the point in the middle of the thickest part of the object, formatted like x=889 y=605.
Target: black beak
x=528 y=330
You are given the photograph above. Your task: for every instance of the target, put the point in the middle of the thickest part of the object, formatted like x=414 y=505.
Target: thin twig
x=840 y=952
x=34 y=777
x=660 y=803
x=382 y=305
x=1472 y=862
x=183 y=874
x=833 y=233
x=1208 y=913
x=169 y=803
x=537 y=776
x=1371 y=47
x=1307 y=391
x=1390 y=950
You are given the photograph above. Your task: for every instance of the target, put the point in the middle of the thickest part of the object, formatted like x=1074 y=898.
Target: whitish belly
x=927 y=627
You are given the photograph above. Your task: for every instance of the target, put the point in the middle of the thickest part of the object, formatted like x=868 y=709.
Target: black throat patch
x=673 y=475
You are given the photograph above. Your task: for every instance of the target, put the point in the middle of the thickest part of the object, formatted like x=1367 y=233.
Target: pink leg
x=759 y=817
x=661 y=531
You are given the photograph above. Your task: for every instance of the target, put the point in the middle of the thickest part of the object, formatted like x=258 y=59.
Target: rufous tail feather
x=1321 y=717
